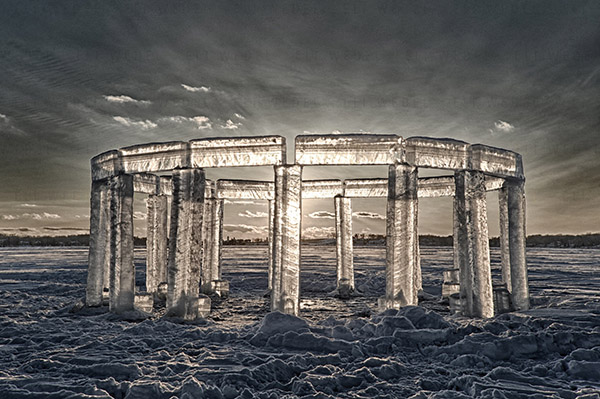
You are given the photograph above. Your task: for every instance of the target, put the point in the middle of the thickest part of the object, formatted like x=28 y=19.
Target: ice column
x=343 y=229
x=156 y=242
x=504 y=239
x=213 y=239
x=473 y=255
x=99 y=255
x=122 y=270
x=285 y=294
x=516 y=235
x=185 y=244
x=271 y=238
x=401 y=231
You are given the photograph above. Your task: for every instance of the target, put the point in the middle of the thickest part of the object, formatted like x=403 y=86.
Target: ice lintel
x=347 y=149
x=238 y=151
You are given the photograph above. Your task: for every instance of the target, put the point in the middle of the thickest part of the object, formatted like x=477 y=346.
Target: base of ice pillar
x=144 y=302
x=383 y=303
x=216 y=287
x=345 y=289
x=502 y=302
x=204 y=305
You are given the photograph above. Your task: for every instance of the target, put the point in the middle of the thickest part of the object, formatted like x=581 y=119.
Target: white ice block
x=106 y=165
x=348 y=149
x=185 y=243
x=344 y=248
x=99 y=248
x=285 y=294
x=144 y=302
x=401 y=234
x=238 y=151
x=122 y=270
x=473 y=255
x=156 y=242
x=517 y=241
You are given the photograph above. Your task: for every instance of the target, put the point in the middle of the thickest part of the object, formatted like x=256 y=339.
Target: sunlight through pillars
x=344 y=252
x=285 y=294
x=185 y=245
x=473 y=255
x=122 y=269
x=401 y=232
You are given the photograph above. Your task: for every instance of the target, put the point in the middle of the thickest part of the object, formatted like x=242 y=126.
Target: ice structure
x=190 y=268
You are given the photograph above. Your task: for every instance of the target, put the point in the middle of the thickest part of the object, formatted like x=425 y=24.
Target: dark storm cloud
x=82 y=77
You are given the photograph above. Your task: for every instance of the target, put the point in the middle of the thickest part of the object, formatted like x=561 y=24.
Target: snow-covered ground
x=338 y=349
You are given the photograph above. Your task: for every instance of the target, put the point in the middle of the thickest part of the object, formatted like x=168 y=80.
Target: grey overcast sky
x=81 y=77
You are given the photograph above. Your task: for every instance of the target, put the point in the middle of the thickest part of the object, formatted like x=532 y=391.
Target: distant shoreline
x=542 y=241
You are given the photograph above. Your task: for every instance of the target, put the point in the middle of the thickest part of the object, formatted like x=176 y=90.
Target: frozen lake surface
x=337 y=349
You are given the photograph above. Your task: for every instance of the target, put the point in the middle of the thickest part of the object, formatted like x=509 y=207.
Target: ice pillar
x=270 y=239
x=156 y=242
x=99 y=255
x=122 y=269
x=285 y=294
x=213 y=240
x=516 y=235
x=344 y=250
x=401 y=234
x=473 y=255
x=185 y=244
x=504 y=236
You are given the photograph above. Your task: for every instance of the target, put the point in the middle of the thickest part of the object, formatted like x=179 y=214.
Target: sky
x=78 y=78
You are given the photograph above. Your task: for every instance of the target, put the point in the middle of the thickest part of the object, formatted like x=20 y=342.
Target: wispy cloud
x=318 y=232
x=503 y=126
x=249 y=214
x=368 y=215
x=34 y=216
x=193 y=89
x=201 y=122
x=40 y=216
x=144 y=125
x=231 y=125
x=321 y=215
x=239 y=116
x=245 y=228
x=28 y=205
x=125 y=99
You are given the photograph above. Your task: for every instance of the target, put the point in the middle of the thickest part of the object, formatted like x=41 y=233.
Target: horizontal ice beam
x=496 y=161
x=238 y=151
x=347 y=149
x=208 y=152
x=313 y=189
x=245 y=189
x=429 y=187
x=437 y=153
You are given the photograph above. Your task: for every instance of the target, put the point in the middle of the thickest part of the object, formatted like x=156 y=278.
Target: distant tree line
x=544 y=241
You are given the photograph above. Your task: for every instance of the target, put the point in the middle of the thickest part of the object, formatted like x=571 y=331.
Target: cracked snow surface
x=52 y=348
